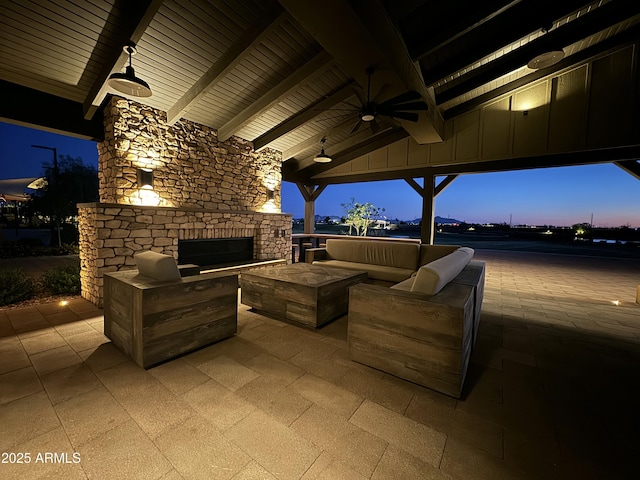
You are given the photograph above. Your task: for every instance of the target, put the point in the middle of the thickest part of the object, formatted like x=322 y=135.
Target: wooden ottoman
x=308 y=294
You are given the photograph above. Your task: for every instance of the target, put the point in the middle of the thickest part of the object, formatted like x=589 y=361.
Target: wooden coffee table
x=309 y=294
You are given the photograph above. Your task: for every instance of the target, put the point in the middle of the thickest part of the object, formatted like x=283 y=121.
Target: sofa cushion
x=431 y=278
x=389 y=254
x=375 y=272
x=157 y=266
x=429 y=253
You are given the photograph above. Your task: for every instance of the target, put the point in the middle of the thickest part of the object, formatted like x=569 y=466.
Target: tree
x=360 y=216
x=75 y=183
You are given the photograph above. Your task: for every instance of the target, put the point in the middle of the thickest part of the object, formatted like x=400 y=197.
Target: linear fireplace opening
x=216 y=252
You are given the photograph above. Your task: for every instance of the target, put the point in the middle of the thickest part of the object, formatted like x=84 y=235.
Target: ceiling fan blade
x=374 y=126
x=412 y=117
x=402 y=98
x=411 y=106
x=357 y=126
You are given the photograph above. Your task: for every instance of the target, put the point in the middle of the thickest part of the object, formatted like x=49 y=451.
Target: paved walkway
x=551 y=392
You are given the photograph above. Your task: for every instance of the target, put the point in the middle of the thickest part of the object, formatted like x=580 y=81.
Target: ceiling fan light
x=367 y=117
x=546 y=59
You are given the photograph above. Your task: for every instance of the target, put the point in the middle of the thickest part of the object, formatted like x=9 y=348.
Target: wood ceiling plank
x=232 y=57
x=312 y=68
x=302 y=118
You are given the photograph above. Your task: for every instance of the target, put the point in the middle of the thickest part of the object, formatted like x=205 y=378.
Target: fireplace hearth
x=216 y=252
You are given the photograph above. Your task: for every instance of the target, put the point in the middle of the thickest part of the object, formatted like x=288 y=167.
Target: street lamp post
x=56 y=176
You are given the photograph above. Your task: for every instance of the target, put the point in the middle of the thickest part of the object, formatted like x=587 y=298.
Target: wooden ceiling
x=288 y=74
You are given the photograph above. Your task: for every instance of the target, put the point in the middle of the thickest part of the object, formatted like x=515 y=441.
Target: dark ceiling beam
x=522 y=19
x=275 y=95
x=337 y=148
x=632 y=167
x=315 y=140
x=251 y=38
x=629 y=36
x=574 y=31
x=36 y=109
x=133 y=20
x=303 y=117
x=363 y=148
x=359 y=34
x=481 y=13
x=586 y=157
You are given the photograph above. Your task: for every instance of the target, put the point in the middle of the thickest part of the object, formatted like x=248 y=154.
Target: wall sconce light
x=271 y=195
x=145 y=178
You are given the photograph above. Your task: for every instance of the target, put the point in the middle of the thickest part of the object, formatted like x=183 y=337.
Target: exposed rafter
x=257 y=32
x=303 y=117
x=632 y=167
x=379 y=141
x=315 y=140
x=311 y=69
x=495 y=34
x=23 y=105
x=372 y=41
x=138 y=16
x=574 y=31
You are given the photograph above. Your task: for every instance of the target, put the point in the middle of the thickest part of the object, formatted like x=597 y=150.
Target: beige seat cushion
x=429 y=253
x=431 y=278
x=158 y=266
x=389 y=254
x=375 y=272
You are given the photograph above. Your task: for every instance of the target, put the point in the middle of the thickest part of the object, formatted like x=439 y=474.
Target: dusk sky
x=552 y=196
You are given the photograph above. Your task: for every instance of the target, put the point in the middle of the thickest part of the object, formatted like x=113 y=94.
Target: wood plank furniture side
x=426 y=340
x=155 y=321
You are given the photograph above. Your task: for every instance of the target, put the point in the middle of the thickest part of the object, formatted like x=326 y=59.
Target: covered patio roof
x=392 y=89
x=287 y=74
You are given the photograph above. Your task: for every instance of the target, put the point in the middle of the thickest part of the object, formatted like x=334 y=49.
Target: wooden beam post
x=428 y=209
x=310 y=193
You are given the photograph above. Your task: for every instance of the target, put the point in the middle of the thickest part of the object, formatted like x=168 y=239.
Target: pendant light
x=127 y=82
x=322 y=157
x=549 y=57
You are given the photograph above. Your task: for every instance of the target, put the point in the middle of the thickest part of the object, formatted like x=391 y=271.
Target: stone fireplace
x=195 y=188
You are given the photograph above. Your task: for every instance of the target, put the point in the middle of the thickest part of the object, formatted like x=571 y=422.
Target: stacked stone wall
x=110 y=234
x=191 y=168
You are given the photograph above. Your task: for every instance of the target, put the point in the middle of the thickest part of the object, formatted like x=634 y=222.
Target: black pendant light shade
x=127 y=82
x=322 y=157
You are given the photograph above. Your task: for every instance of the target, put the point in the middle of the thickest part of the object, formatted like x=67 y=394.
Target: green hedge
x=62 y=280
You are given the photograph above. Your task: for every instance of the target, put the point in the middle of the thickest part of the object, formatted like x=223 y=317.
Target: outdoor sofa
x=419 y=318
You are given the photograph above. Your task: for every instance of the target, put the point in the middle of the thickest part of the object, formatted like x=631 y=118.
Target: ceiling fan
x=401 y=106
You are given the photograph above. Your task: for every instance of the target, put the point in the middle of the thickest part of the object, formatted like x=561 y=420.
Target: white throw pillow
x=158 y=266
x=432 y=277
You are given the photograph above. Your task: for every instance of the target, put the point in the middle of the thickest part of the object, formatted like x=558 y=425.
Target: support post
x=310 y=193
x=428 y=208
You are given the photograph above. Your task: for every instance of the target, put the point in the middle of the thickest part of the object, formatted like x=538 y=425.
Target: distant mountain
x=439 y=220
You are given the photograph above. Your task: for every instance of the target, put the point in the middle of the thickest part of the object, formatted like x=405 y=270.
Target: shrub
x=15 y=286
x=33 y=248
x=62 y=280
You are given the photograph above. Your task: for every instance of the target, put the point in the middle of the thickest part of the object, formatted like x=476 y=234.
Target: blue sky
x=551 y=196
